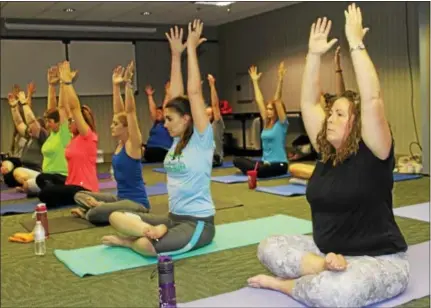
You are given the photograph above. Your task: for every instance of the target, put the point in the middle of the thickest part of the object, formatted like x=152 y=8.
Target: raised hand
x=353 y=27
x=176 y=40
x=65 y=74
x=149 y=90
x=281 y=70
x=21 y=97
x=211 y=79
x=128 y=74
x=318 y=43
x=253 y=73
x=11 y=99
x=53 y=75
x=195 y=31
x=117 y=75
x=31 y=88
x=15 y=90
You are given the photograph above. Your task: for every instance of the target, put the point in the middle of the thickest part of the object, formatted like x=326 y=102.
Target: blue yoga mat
x=101 y=259
x=250 y=297
x=226 y=164
x=241 y=178
x=284 y=190
x=28 y=207
x=398 y=177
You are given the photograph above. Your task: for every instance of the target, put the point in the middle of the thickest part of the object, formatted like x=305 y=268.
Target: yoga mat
x=60 y=224
x=418 y=211
x=226 y=164
x=28 y=207
x=241 y=178
x=12 y=195
x=251 y=297
x=284 y=190
x=104 y=176
x=101 y=259
x=398 y=177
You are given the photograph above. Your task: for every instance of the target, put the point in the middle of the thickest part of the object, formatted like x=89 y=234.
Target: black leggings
x=48 y=179
x=59 y=195
x=263 y=170
x=9 y=178
x=155 y=155
x=217 y=161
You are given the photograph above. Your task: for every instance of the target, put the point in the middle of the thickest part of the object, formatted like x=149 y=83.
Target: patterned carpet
x=30 y=281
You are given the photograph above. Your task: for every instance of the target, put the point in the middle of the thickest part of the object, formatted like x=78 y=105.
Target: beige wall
x=267 y=39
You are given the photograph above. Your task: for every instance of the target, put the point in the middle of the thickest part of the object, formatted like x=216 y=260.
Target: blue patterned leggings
x=367 y=280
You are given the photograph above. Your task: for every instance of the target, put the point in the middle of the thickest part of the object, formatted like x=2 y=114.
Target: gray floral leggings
x=367 y=280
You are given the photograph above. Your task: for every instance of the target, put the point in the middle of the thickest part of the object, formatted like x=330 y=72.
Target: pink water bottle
x=42 y=216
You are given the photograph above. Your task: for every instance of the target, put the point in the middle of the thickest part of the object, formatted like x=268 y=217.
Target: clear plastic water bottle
x=39 y=239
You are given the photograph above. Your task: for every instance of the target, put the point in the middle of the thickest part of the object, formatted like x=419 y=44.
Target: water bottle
x=167 y=296
x=39 y=239
x=41 y=213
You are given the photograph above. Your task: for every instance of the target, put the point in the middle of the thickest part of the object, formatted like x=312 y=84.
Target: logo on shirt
x=174 y=163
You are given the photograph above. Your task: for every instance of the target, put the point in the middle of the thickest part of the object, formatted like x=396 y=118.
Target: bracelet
x=129 y=84
x=67 y=83
x=13 y=106
x=360 y=46
x=339 y=71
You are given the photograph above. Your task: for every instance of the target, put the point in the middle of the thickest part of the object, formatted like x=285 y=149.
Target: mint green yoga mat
x=101 y=259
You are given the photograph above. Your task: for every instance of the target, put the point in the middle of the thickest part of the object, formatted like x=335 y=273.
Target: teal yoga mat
x=101 y=259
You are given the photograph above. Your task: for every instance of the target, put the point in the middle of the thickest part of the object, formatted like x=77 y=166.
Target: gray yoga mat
x=60 y=224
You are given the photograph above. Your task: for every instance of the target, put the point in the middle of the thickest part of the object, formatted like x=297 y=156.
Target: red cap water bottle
x=42 y=216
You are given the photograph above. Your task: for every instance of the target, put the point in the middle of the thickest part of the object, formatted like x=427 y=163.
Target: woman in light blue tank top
x=190 y=221
x=274 y=160
x=126 y=162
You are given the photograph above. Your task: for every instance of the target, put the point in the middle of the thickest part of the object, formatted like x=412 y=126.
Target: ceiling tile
x=57 y=10
x=25 y=9
x=109 y=10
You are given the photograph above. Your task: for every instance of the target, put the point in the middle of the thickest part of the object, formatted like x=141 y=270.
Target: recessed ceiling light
x=146 y=13
x=69 y=10
x=216 y=3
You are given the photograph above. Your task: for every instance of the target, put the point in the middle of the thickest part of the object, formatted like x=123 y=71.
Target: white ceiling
x=162 y=12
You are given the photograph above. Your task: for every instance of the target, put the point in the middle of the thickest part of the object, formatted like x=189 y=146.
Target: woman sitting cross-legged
x=80 y=153
x=126 y=162
x=274 y=161
x=357 y=255
x=188 y=165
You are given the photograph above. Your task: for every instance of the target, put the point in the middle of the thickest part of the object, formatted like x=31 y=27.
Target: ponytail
x=184 y=140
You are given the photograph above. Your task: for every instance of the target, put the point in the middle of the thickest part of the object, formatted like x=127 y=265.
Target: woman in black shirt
x=357 y=256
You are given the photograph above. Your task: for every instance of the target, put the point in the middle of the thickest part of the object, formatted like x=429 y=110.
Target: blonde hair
x=122 y=117
x=351 y=144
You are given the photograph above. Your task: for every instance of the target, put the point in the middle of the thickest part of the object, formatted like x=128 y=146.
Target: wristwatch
x=360 y=46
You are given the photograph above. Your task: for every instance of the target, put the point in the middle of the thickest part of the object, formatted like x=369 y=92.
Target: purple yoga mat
x=108 y=185
x=419 y=286
x=103 y=176
x=6 y=196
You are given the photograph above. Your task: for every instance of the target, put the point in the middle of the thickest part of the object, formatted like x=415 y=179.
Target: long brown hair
x=88 y=117
x=351 y=144
x=181 y=105
x=268 y=123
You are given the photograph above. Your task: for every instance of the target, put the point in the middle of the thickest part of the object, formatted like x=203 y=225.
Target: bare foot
x=263 y=281
x=113 y=240
x=155 y=232
x=93 y=202
x=19 y=189
x=335 y=262
x=77 y=213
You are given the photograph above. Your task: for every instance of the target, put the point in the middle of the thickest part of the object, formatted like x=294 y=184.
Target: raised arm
x=71 y=99
x=311 y=109
x=257 y=93
x=20 y=126
x=151 y=103
x=177 y=47
x=30 y=119
x=194 y=84
x=53 y=80
x=117 y=80
x=279 y=105
x=340 y=88
x=215 y=103
x=168 y=95
x=374 y=126
x=134 y=143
